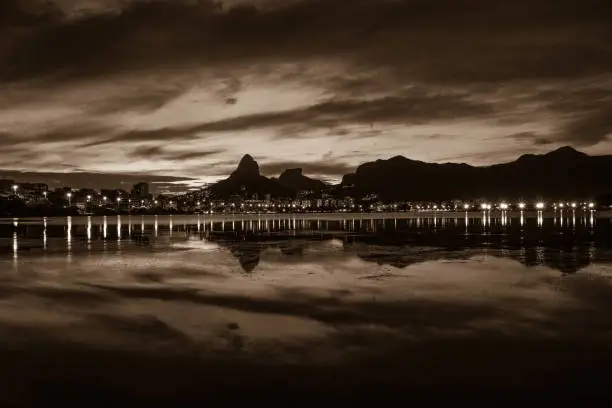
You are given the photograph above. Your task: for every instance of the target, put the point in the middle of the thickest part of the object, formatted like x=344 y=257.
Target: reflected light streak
x=15 y=242
x=118 y=229
x=105 y=227
x=88 y=230
x=45 y=233
x=69 y=234
x=540 y=219
x=156 y=226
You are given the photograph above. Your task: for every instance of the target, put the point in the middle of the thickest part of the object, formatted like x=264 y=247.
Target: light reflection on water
x=531 y=274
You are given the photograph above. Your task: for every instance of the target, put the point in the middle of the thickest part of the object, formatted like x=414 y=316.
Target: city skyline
x=179 y=90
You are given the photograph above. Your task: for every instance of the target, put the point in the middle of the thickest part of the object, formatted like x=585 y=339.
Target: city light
x=15 y=188
x=522 y=206
x=466 y=206
x=540 y=206
x=503 y=206
x=88 y=198
x=591 y=205
x=118 y=199
x=104 y=198
x=573 y=205
x=561 y=205
x=483 y=206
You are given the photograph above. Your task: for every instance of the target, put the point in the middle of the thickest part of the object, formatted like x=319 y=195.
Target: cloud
x=196 y=79
x=98 y=180
x=445 y=41
x=162 y=153
x=332 y=113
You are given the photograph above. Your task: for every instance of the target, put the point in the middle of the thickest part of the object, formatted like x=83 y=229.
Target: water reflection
x=394 y=241
x=69 y=238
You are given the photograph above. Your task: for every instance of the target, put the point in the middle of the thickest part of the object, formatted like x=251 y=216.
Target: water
x=501 y=298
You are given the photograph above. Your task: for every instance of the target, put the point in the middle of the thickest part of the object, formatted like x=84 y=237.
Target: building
x=6 y=187
x=140 y=191
x=33 y=191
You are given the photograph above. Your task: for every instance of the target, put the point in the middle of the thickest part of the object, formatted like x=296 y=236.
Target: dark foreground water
x=183 y=309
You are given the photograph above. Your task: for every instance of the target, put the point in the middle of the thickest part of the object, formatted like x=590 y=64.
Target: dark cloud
x=400 y=110
x=532 y=137
x=161 y=135
x=162 y=153
x=139 y=100
x=90 y=179
x=585 y=114
x=470 y=40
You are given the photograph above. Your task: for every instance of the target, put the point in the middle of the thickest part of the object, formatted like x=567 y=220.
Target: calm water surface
x=305 y=291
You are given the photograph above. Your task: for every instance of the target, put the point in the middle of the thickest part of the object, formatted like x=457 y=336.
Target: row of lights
x=522 y=206
x=484 y=206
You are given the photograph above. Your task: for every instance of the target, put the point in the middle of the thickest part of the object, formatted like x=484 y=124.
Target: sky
x=182 y=89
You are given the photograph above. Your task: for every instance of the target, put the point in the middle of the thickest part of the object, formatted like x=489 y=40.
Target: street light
x=69 y=195
x=15 y=188
x=522 y=206
x=466 y=206
x=88 y=198
x=540 y=206
x=591 y=205
x=503 y=206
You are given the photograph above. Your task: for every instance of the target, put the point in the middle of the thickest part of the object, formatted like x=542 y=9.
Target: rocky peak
x=290 y=173
x=247 y=167
x=566 y=151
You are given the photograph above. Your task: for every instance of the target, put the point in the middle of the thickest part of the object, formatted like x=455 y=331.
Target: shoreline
x=320 y=216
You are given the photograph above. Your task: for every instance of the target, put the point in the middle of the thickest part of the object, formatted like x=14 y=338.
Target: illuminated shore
x=338 y=216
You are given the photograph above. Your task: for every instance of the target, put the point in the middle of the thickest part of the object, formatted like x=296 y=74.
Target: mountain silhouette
x=295 y=179
x=247 y=181
x=564 y=173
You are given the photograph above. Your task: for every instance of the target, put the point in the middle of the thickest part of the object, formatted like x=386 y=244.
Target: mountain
x=563 y=173
x=295 y=179
x=247 y=181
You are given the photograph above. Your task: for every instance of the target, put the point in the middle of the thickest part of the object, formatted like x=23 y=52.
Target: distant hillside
x=563 y=173
x=295 y=179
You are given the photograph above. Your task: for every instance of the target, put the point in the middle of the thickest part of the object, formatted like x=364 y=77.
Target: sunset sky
x=185 y=88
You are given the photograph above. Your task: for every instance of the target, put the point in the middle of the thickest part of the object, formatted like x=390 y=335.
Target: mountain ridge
x=561 y=172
